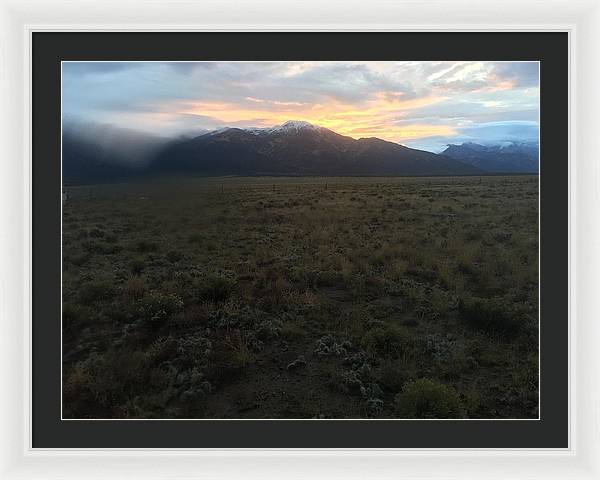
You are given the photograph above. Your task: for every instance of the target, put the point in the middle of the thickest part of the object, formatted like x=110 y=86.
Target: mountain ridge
x=300 y=148
x=509 y=157
x=293 y=148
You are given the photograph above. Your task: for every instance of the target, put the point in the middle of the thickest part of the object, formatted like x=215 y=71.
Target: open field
x=302 y=298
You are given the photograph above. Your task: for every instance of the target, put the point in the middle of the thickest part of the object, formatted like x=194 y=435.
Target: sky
x=425 y=105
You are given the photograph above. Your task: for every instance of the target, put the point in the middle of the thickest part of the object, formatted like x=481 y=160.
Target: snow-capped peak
x=293 y=126
x=218 y=130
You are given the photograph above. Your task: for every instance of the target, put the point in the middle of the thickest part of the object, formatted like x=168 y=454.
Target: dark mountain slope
x=299 y=148
x=511 y=158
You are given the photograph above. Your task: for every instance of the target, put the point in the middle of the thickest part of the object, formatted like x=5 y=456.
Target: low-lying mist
x=109 y=144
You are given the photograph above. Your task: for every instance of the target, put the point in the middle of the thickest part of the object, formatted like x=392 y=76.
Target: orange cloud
x=371 y=118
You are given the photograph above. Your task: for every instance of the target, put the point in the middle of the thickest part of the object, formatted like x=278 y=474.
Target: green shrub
x=161 y=350
x=230 y=356
x=389 y=340
x=292 y=331
x=215 y=289
x=195 y=238
x=137 y=266
x=74 y=316
x=97 y=233
x=99 y=247
x=144 y=246
x=194 y=350
x=99 y=385
x=96 y=291
x=490 y=315
x=425 y=398
x=157 y=308
x=77 y=259
x=134 y=288
x=174 y=256
x=391 y=376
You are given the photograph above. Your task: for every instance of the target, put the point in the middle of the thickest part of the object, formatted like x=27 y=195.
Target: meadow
x=301 y=298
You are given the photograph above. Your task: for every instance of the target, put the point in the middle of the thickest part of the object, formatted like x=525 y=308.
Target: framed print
x=243 y=245
x=255 y=243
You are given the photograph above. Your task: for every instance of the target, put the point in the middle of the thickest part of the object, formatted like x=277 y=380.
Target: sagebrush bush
x=135 y=288
x=174 y=256
x=491 y=315
x=75 y=316
x=215 y=289
x=391 y=376
x=144 y=246
x=195 y=238
x=137 y=266
x=162 y=349
x=100 y=247
x=425 y=398
x=292 y=331
x=157 y=308
x=194 y=350
x=96 y=291
x=389 y=341
x=231 y=356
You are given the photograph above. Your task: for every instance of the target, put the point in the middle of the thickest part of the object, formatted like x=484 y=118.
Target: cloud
x=95 y=68
x=490 y=133
x=520 y=74
x=398 y=101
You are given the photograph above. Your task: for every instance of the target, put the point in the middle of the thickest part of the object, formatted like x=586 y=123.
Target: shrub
x=328 y=345
x=195 y=238
x=198 y=390
x=157 y=308
x=78 y=260
x=231 y=356
x=97 y=233
x=74 y=316
x=144 y=246
x=292 y=331
x=102 y=248
x=389 y=340
x=422 y=274
x=137 y=266
x=77 y=391
x=490 y=315
x=161 y=350
x=135 y=287
x=96 y=291
x=174 y=256
x=215 y=289
x=391 y=376
x=425 y=398
x=98 y=385
x=267 y=328
x=194 y=350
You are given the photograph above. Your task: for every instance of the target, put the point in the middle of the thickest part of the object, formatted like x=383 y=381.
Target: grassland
x=302 y=298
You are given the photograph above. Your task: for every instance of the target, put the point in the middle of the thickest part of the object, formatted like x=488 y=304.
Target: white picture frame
x=18 y=19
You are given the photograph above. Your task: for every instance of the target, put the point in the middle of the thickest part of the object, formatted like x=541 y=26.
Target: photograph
x=300 y=240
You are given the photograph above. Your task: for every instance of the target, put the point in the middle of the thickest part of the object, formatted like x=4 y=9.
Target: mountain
x=94 y=153
x=506 y=158
x=300 y=148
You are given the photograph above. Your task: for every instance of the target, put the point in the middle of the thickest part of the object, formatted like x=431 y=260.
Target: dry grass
x=433 y=276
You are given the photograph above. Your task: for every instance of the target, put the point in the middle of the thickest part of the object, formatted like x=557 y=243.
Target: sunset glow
x=421 y=104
